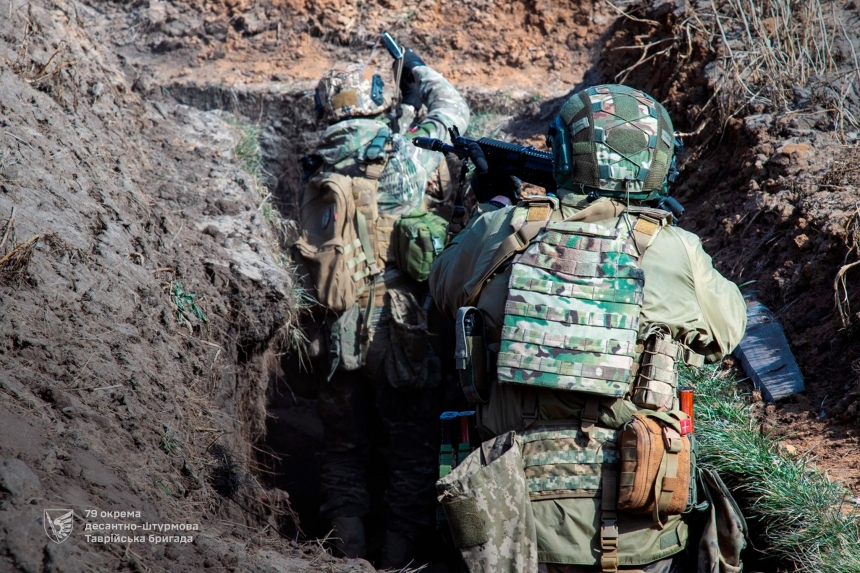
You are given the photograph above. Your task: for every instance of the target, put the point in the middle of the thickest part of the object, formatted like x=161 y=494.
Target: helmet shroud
x=620 y=143
x=351 y=90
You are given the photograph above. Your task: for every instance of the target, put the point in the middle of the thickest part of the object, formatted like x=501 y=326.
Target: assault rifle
x=526 y=163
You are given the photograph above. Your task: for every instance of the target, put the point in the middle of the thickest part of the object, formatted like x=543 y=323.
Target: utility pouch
x=655 y=464
x=487 y=505
x=471 y=358
x=418 y=238
x=345 y=341
x=656 y=385
x=725 y=531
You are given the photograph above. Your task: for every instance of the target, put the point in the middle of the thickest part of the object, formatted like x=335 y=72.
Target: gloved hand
x=411 y=94
x=411 y=60
x=486 y=184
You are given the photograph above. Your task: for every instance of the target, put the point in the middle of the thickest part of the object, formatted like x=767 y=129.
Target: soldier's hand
x=488 y=185
x=476 y=154
x=411 y=94
x=411 y=60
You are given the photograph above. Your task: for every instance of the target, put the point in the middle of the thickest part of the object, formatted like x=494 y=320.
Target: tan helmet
x=351 y=90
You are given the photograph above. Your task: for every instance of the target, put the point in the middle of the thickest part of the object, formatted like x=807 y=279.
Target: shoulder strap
x=538 y=216
x=649 y=222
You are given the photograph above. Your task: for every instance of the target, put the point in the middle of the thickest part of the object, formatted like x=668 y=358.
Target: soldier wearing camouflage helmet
x=397 y=377
x=571 y=289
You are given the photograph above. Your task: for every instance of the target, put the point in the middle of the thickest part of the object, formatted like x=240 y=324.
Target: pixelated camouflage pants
x=673 y=564
x=409 y=408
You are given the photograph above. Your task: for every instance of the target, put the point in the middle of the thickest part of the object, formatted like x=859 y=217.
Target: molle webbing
x=572 y=314
x=563 y=462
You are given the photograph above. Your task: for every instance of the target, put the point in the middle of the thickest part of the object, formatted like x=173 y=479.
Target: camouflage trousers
x=674 y=564
x=406 y=395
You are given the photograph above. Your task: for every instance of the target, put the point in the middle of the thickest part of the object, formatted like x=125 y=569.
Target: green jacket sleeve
x=685 y=292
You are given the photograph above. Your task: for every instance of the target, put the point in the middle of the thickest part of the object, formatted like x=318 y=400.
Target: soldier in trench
x=580 y=291
x=373 y=355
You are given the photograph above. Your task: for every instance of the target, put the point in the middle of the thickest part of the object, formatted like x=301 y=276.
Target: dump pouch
x=486 y=502
x=419 y=237
x=471 y=358
x=655 y=464
x=724 y=536
x=408 y=362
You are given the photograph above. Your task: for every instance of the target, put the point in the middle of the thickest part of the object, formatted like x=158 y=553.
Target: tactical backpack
x=346 y=245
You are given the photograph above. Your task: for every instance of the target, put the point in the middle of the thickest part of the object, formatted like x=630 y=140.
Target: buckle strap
x=530 y=406
x=589 y=415
x=609 y=521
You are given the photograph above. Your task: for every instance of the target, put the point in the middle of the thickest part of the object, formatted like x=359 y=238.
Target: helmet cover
x=615 y=140
x=352 y=90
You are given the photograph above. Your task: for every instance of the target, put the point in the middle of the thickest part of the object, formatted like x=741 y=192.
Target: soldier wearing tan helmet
x=590 y=300
x=374 y=359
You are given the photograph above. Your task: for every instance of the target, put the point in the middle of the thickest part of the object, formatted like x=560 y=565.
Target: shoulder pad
x=659 y=215
x=529 y=200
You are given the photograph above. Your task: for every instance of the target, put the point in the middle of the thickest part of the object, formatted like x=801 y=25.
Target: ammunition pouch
x=486 y=503
x=656 y=385
x=471 y=356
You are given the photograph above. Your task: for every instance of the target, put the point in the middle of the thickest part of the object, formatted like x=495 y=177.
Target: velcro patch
x=467 y=524
x=646 y=227
x=345 y=98
x=538 y=213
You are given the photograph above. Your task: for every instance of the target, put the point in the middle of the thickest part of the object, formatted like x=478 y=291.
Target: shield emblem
x=58 y=524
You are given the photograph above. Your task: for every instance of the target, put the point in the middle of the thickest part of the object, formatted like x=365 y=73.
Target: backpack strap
x=609 y=520
x=375 y=158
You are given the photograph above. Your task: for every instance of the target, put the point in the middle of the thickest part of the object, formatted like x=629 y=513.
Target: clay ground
x=120 y=124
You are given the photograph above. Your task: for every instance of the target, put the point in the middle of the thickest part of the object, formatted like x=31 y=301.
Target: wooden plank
x=766 y=357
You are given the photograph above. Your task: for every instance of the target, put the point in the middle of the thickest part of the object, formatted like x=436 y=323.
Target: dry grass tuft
x=771 y=48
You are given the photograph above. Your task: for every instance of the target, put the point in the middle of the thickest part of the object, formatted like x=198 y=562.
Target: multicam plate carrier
x=572 y=313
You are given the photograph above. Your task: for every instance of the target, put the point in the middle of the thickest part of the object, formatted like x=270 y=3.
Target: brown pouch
x=655 y=465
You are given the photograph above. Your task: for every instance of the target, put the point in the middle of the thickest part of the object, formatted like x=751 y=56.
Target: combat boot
x=347 y=537
x=396 y=551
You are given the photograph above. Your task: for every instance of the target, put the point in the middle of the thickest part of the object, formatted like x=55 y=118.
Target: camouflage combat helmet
x=613 y=141
x=350 y=91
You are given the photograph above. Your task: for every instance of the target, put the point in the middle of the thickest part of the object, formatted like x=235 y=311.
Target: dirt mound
x=141 y=299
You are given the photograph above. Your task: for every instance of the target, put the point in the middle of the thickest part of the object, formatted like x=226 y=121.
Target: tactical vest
x=572 y=313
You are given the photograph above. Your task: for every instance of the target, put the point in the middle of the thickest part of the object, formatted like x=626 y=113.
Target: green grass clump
x=807 y=518
x=248 y=149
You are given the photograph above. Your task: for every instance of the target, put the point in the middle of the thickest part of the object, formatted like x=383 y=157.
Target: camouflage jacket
x=682 y=291
x=402 y=184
